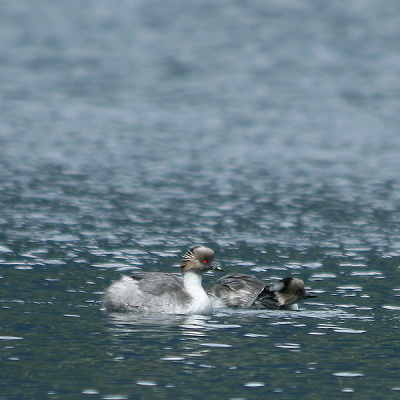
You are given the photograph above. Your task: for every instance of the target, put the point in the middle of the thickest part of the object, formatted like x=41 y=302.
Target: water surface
x=265 y=130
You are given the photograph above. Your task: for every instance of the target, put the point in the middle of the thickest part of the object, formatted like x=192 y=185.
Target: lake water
x=267 y=130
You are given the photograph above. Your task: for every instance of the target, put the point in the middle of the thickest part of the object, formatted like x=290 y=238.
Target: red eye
x=299 y=292
x=204 y=261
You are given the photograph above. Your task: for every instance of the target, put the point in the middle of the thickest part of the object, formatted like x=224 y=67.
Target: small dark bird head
x=290 y=290
x=283 y=293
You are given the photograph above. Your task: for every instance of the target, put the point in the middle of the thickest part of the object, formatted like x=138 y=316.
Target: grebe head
x=199 y=259
x=291 y=290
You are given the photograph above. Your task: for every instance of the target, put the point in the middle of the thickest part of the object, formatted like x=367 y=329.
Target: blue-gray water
x=267 y=130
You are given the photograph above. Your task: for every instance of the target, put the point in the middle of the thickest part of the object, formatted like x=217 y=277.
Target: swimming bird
x=244 y=291
x=164 y=292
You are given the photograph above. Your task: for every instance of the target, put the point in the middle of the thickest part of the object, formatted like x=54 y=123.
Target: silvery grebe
x=163 y=292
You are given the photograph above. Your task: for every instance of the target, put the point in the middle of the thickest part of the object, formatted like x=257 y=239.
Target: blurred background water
x=267 y=130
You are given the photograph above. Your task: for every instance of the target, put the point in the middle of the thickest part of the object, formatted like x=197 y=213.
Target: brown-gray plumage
x=244 y=291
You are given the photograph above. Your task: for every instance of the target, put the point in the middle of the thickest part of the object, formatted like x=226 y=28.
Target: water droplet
x=344 y=330
x=172 y=358
x=348 y=374
x=146 y=383
x=90 y=391
x=254 y=384
x=10 y=338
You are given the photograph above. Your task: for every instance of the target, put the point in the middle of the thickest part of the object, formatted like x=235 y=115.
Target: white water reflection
x=268 y=130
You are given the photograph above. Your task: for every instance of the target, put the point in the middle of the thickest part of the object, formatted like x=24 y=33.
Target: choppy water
x=267 y=130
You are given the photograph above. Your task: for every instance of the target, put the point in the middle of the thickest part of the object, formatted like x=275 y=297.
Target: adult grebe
x=164 y=292
x=244 y=291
